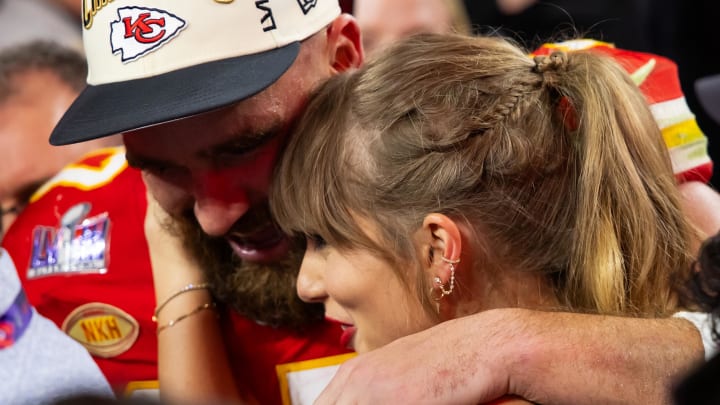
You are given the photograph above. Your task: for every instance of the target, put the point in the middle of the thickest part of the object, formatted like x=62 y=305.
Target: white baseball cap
x=153 y=61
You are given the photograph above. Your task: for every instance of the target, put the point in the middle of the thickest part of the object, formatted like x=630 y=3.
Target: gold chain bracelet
x=207 y=305
x=187 y=288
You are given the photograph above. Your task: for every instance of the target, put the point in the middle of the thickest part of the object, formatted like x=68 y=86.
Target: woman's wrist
x=181 y=305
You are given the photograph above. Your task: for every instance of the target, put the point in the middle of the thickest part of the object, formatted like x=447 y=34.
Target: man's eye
x=232 y=158
x=316 y=242
x=243 y=148
x=168 y=173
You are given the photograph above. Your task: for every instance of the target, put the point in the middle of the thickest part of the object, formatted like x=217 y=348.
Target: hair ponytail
x=630 y=234
x=556 y=164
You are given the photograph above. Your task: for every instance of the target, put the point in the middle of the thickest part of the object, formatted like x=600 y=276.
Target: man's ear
x=444 y=238
x=344 y=43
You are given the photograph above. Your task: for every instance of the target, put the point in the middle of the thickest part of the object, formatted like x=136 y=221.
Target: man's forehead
x=206 y=135
x=274 y=109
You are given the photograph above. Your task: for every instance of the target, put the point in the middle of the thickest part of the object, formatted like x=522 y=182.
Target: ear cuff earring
x=451 y=284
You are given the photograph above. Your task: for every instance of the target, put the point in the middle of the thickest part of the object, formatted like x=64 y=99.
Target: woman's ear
x=344 y=44
x=443 y=236
x=441 y=240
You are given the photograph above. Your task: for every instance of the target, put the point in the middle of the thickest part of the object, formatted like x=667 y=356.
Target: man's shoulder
x=100 y=174
x=89 y=214
x=81 y=254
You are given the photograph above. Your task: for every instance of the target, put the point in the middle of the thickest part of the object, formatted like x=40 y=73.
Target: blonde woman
x=453 y=175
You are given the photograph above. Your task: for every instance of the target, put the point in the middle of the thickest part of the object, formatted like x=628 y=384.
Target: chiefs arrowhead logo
x=138 y=31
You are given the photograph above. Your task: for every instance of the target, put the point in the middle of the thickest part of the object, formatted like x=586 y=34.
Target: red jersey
x=83 y=260
x=658 y=79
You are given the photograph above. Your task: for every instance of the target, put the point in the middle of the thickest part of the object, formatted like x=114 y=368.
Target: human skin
x=485 y=365
x=222 y=175
x=186 y=374
x=26 y=119
x=700 y=203
x=220 y=185
x=342 y=280
x=511 y=7
x=383 y=22
x=546 y=357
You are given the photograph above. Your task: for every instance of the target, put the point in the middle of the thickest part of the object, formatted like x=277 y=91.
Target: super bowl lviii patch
x=78 y=245
x=104 y=330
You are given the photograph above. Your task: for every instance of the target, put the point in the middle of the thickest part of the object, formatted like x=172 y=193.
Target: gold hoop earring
x=451 y=284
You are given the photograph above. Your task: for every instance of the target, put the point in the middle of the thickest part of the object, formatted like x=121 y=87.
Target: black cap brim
x=113 y=108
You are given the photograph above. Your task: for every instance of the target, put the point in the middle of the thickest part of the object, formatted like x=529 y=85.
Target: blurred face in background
x=383 y=22
x=37 y=101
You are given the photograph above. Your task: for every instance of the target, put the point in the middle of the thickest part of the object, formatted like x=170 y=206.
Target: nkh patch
x=104 y=330
x=78 y=245
x=139 y=31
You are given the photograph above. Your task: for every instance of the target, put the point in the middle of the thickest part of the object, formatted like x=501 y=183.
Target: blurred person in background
x=700 y=387
x=39 y=362
x=38 y=81
x=383 y=22
x=23 y=21
x=254 y=345
x=679 y=30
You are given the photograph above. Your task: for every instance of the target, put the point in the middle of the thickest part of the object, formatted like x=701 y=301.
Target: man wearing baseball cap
x=159 y=61
x=205 y=93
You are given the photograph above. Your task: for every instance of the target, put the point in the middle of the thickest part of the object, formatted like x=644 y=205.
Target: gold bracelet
x=189 y=287
x=207 y=305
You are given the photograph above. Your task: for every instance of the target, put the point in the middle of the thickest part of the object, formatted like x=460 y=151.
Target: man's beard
x=262 y=292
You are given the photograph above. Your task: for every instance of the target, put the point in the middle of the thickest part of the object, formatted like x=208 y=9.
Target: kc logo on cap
x=195 y=55
x=168 y=35
x=141 y=30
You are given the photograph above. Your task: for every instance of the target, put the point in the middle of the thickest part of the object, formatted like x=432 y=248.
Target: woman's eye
x=316 y=242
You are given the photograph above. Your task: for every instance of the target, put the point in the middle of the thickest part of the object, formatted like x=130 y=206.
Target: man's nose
x=218 y=206
x=310 y=281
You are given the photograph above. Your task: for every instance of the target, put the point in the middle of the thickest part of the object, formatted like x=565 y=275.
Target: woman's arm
x=193 y=364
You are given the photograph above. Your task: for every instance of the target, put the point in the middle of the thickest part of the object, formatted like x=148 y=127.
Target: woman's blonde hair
x=557 y=165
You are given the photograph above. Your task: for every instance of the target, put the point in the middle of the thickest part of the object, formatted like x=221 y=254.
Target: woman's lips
x=348 y=332
x=347 y=337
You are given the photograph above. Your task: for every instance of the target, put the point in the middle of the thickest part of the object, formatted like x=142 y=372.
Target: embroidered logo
x=89 y=10
x=78 y=245
x=267 y=22
x=138 y=31
x=104 y=330
x=306 y=5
